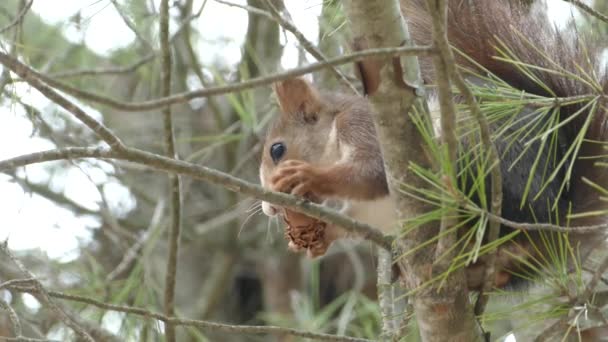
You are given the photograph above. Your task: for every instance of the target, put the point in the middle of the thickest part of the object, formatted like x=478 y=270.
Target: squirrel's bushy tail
x=548 y=63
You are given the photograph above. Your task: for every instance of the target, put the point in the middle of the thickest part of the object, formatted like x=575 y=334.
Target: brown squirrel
x=323 y=145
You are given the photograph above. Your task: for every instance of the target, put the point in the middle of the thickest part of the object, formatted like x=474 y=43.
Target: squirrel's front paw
x=299 y=178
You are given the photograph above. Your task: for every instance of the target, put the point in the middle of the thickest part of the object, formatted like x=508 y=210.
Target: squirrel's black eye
x=277 y=150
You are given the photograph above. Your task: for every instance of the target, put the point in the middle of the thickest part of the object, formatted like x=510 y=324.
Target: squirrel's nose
x=268 y=209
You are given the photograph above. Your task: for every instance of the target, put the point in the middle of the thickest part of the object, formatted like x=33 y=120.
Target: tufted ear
x=297 y=96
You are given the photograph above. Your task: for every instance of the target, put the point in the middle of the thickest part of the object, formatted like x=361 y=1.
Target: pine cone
x=305 y=233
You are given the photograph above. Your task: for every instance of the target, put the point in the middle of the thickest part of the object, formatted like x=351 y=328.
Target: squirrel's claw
x=298 y=178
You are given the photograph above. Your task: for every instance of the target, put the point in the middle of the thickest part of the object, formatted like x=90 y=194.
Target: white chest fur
x=379 y=213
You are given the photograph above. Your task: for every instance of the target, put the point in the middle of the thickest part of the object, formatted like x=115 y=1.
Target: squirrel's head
x=300 y=131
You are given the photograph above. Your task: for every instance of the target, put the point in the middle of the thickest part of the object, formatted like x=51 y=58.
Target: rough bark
x=443 y=313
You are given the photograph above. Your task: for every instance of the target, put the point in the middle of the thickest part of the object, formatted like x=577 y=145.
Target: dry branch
x=589 y=10
x=447 y=68
x=104 y=71
x=443 y=314
x=308 y=45
x=13 y=63
x=19 y=18
x=174 y=179
x=164 y=164
x=26 y=73
x=229 y=328
x=43 y=296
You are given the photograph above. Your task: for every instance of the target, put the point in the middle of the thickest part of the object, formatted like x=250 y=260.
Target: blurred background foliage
x=233 y=263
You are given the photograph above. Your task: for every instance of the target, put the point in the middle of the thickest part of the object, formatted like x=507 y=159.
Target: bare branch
x=32 y=79
x=597 y=276
x=67 y=153
x=16 y=42
x=121 y=70
x=133 y=252
x=18 y=18
x=307 y=45
x=13 y=282
x=449 y=70
x=104 y=71
x=250 y=9
x=12 y=315
x=542 y=226
x=161 y=163
x=24 y=339
x=237 y=329
x=131 y=25
x=385 y=298
x=449 y=141
x=585 y=8
x=43 y=296
x=13 y=63
x=174 y=179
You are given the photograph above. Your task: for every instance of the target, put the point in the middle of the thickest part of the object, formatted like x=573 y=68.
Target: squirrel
x=323 y=145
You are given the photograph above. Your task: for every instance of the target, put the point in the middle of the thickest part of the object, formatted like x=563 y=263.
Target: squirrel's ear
x=297 y=96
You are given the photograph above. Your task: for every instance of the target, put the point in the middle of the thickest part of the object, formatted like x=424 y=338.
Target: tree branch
x=385 y=298
x=450 y=70
x=32 y=79
x=542 y=226
x=161 y=163
x=176 y=203
x=13 y=63
x=235 y=329
x=131 y=25
x=12 y=315
x=442 y=313
x=18 y=18
x=449 y=142
x=585 y=8
x=43 y=296
x=307 y=45
x=104 y=71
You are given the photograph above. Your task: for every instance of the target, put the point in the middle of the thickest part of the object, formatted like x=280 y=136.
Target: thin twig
x=597 y=276
x=126 y=69
x=131 y=25
x=444 y=252
x=13 y=282
x=43 y=296
x=57 y=197
x=442 y=45
x=13 y=63
x=197 y=68
x=275 y=15
x=247 y=329
x=17 y=41
x=67 y=153
x=541 y=226
x=238 y=185
x=18 y=18
x=550 y=332
x=174 y=179
x=24 y=339
x=585 y=8
x=32 y=79
x=385 y=298
x=162 y=163
x=104 y=71
x=133 y=252
x=12 y=315
x=249 y=9
x=307 y=45
x=121 y=70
